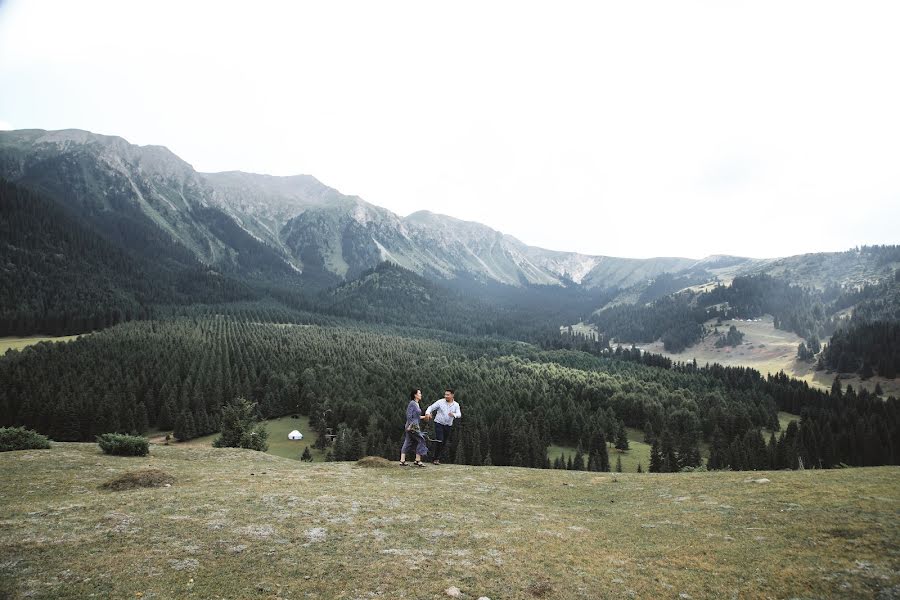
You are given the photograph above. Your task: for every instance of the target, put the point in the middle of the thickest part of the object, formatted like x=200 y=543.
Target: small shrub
x=123 y=445
x=19 y=438
x=148 y=478
x=698 y=469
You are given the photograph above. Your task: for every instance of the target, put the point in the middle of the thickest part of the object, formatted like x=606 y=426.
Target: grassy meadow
x=242 y=524
x=18 y=343
x=279 y=444
x=768 y=350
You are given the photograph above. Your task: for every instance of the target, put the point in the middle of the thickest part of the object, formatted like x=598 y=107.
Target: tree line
x=178 y=372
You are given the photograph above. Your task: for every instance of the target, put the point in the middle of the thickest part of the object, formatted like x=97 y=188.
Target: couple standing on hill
x=447 y=410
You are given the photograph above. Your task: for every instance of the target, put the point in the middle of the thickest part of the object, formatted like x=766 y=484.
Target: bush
x=19 y=438
x=123 y=445
x=698 y=469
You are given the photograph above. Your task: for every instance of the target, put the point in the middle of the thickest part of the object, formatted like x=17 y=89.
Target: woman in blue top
x=413 y=437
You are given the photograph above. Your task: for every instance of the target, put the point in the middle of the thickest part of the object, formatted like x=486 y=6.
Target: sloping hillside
x=240 y=524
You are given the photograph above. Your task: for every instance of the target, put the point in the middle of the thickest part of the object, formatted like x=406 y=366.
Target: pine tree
x=655 y=457
x=667 y=452
x=621 y=437
x=240 y=429
x=640 y=469
x=772 y=452
x=459 y=456
x=142 y=422
x=184 y=426
x=649 y=436
x=578 y=463
x=475 y=455
x=307 y=455
x=718 y=449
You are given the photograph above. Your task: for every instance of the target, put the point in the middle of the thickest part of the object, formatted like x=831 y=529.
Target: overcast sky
x=626 y=129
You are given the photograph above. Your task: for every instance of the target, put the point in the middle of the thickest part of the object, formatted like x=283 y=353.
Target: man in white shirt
x=447 y=409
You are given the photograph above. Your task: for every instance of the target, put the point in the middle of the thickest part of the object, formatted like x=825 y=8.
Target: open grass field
x=768 y=350
x=279 y=444
x=240 y=524
x=17 y=343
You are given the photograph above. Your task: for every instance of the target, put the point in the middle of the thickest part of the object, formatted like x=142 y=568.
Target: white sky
x=626 y=129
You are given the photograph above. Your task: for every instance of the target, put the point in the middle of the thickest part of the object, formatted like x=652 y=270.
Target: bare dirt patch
x=145 y=478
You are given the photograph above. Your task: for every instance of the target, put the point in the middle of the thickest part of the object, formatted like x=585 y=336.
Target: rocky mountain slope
x=298 y=221
x=277 y=228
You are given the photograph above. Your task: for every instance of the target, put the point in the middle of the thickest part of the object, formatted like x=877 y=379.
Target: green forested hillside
x=59 y=275
x=517 y=398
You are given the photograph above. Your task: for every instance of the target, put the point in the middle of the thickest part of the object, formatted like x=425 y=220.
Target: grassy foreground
x=241 y=524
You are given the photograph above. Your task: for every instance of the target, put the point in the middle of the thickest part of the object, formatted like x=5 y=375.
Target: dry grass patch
x=374 y=462
x=539 y=589
x=145 y=478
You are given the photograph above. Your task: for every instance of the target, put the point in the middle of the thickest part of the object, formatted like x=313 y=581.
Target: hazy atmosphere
x=657 y=129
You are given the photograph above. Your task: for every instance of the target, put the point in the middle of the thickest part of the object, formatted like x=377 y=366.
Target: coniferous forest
x=175 y=373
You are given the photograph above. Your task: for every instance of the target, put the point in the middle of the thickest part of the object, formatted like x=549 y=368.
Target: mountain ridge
x=312 y=231
x=316 y=228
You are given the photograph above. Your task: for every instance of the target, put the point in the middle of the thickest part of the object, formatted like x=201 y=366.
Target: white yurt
x=295 y=435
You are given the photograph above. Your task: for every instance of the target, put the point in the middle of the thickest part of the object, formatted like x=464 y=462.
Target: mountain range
x=312 y=229
x=296 y=230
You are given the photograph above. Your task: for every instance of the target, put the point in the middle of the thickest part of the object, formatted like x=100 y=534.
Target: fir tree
x=667 y=453
x=655 y=457
x=621 y=437
x=459 y=457
x=240 y=429
x=578 y=463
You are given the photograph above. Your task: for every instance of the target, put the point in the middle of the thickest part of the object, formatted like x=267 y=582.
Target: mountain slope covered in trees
x=58 y=275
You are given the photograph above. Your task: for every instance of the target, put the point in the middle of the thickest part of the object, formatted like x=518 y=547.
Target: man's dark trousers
x=442 y=434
